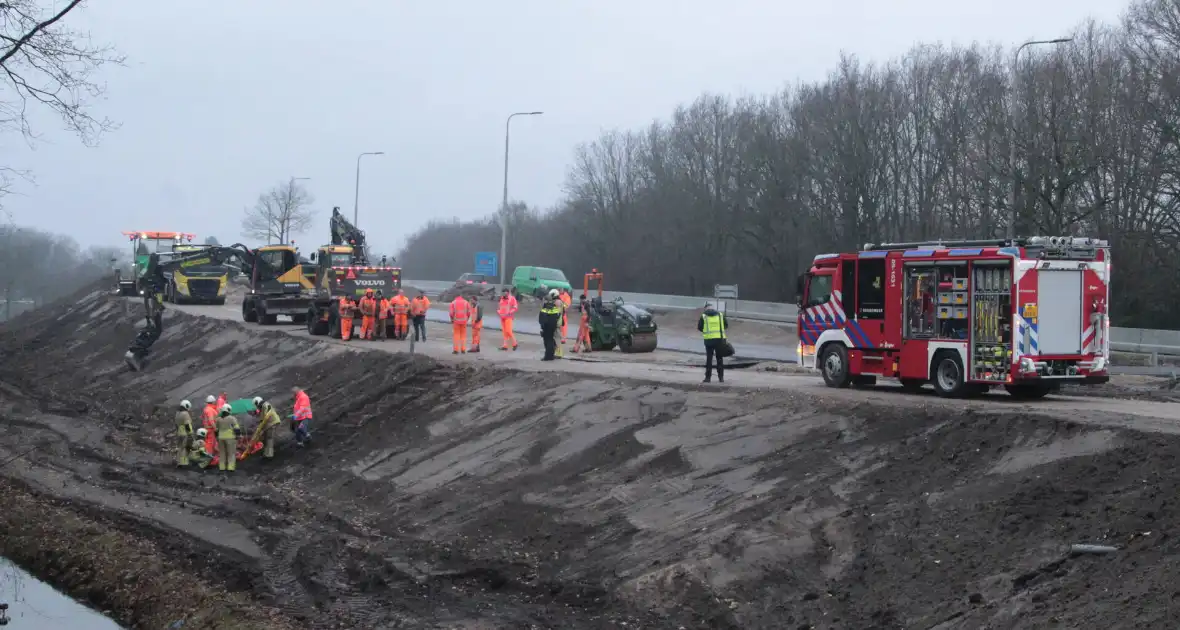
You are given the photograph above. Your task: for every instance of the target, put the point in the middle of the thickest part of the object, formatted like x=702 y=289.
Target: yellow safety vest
x=553 y=309
x=226 y=426
x=184 y=423
x=270 y=417
x=713 y=327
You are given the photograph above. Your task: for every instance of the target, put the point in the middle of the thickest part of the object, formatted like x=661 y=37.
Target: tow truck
x=343 y=268
x=1026 y=314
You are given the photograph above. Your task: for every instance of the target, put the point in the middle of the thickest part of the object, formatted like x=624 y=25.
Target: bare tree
x=44 y=64
x=750 y=190
x=279 y=213
x=212 y=240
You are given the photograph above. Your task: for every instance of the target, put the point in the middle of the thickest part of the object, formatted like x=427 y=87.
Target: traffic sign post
x=722 y=292
x=487 y=263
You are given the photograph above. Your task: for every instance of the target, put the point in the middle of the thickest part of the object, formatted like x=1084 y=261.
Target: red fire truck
x=961 y=315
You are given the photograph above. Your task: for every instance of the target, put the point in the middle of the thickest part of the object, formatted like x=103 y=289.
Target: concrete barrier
x=1135 y=340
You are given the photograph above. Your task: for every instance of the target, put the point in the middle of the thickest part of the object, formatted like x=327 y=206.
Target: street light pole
x=283 y=220
x=356 y=200
x=1012 y=127
x=504 y=201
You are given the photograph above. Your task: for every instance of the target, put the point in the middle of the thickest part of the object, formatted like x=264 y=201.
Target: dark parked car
x=469 y=284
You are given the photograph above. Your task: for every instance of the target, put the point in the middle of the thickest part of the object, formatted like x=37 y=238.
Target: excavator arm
x=152 y=284
x=345 y=233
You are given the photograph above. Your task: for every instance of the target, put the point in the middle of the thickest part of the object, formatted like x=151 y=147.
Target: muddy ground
x=450 y=493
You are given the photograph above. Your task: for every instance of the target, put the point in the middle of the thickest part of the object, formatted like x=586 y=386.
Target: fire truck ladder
x=872 y=247
x=1024 y=241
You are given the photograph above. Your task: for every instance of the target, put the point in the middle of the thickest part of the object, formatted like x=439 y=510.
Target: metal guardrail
x=1133 y=340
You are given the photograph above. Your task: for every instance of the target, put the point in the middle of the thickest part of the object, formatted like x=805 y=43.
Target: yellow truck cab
x=196 y=281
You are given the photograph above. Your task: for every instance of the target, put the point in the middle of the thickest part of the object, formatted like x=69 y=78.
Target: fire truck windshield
x=819 y=290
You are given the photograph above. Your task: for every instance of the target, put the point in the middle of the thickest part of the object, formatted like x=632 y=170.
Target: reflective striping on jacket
x=551 y=308
x=302 y=407
x=713 y=327
x=226 y=425
x=507 y=308
x=270 y=417
x=419 y=305
x=460 y=310
x=184 y=423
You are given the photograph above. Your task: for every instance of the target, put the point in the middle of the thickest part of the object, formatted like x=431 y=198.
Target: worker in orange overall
x=347 y=310
x=209 y=422
x=382 y=316
x=368 y=308
x=583 y=340
x=418 y=307
x=476 y=323
x=460 y=315
x=506 y=312
x=401 y=307
x=566 y=299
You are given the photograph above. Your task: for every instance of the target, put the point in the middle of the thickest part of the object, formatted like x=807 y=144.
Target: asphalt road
x=667 y=341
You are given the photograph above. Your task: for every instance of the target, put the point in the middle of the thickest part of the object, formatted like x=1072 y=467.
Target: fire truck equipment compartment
x=1059 y=302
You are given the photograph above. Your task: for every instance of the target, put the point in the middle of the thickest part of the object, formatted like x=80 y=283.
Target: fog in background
x=220 y=101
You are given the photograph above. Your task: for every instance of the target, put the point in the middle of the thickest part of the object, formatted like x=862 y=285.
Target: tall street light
x=1012 y=127
x=356 y=200
x=504 y=202
x=290 y=195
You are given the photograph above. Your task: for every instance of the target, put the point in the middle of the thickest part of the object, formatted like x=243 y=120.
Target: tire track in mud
x=287 y=591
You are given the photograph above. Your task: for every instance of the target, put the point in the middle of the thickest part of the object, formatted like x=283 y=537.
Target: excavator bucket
x=638 y=342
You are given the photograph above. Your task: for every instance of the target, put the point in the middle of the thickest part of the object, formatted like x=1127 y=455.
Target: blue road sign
x=486 y=263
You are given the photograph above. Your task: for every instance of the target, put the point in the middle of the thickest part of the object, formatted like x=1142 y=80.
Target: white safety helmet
x=186 y=405
x=209 y=400
x=226 y=409
x=257 y=401
x=202 y=432
x=553 y=294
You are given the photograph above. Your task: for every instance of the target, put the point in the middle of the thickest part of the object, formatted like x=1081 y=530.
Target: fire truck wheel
x=834 y=365
x=948 y=375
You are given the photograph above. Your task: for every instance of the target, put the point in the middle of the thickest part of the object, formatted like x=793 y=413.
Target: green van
x=537 y=281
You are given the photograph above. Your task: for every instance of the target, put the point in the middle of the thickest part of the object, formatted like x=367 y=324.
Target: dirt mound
x=442 y=495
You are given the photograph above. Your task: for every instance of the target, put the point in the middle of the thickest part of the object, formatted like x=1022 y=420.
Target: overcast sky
x=221 y=100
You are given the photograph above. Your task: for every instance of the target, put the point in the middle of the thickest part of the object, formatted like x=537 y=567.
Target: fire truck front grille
x=203 y=288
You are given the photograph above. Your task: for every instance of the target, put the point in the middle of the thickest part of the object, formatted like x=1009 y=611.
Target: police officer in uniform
x=713 y=325
x=550 y=319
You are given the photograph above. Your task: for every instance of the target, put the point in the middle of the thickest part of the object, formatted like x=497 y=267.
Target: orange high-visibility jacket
x=508 y=306
x=460 y=310
x=419 y=305
x=400 y=305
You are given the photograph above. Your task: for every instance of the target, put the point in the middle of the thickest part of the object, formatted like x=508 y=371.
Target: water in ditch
x=35 y=605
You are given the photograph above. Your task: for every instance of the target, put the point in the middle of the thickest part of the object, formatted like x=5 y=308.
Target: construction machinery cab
x=631 y=328
x=153 y=282
x=143 y=244
x=341 y=270
x=278 y=285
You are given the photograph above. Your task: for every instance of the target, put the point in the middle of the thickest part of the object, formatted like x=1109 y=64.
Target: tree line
x=38 y=267
x=748 y=190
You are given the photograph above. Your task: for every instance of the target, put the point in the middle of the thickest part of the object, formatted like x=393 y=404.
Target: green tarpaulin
x=241 y=405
